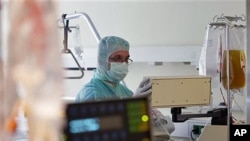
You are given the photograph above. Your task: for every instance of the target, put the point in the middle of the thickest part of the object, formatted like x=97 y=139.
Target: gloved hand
x=145 y=88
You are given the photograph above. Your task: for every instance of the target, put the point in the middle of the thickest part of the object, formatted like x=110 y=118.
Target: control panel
x=109 y=120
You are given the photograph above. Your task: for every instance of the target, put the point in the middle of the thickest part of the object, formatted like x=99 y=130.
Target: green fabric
x=98 y=89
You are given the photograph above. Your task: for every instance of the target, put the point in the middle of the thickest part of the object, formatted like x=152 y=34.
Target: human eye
x=118 y=59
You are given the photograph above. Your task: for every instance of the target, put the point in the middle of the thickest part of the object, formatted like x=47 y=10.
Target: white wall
x=152 y=22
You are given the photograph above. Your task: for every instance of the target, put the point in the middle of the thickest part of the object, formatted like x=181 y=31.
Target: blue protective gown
x=98 y=89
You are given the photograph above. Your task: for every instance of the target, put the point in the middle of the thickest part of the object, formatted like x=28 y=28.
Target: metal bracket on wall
x=65 y=20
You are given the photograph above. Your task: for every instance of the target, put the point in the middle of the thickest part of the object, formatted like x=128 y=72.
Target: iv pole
x=247 y=109
x=228 y=24
x=65 y=20
x=224 y=21
x=85 y=16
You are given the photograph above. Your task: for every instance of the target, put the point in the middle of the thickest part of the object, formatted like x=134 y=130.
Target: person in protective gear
x=112 y=68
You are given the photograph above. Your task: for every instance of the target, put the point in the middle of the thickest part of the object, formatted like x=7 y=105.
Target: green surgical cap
x=107 y=46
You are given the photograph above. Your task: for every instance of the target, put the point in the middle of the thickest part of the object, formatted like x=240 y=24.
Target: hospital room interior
x=193 y=52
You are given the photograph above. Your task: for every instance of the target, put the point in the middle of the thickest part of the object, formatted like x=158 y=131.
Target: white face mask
x=118 y=71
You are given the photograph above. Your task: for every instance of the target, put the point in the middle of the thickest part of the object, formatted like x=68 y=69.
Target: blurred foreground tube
x=1 y=78
x=34 y=74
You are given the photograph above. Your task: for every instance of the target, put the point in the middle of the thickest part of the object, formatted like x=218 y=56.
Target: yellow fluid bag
x=237 y=76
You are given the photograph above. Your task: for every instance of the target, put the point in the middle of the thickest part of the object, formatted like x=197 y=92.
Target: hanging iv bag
x=236 y=59
x=209 y=65
x=77 y=44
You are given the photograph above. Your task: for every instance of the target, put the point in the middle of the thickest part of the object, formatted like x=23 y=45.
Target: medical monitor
x=109 y=120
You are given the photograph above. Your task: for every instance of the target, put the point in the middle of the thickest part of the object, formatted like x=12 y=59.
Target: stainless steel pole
x=247 y=109
x=229 y=111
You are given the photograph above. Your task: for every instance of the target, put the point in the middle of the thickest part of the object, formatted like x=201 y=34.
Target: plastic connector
x=197 y=129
